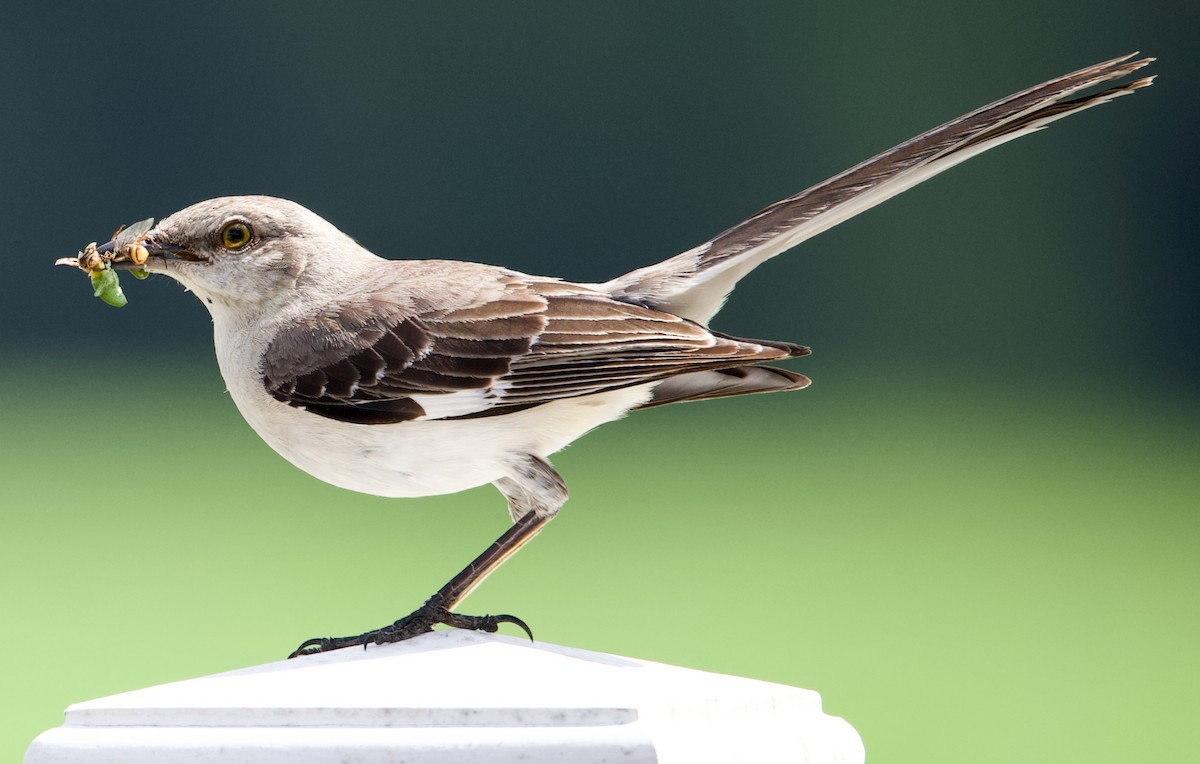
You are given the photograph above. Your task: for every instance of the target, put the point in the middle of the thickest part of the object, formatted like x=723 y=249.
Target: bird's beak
x=156 y=249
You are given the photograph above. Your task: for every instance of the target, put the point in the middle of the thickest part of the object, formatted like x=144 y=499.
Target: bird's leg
x=535 y=492
x=436 y=609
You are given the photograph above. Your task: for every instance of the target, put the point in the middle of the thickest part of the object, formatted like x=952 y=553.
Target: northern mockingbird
x=422 y=377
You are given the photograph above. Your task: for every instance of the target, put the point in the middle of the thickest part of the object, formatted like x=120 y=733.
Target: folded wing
x=523 y=343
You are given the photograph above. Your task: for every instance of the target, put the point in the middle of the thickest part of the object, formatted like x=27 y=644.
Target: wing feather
x=524 y=343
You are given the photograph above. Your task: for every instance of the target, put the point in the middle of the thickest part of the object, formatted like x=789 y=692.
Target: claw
x=320 y=645
x=309 y=647
x=485 y=623
x=518 y=622
x=420 y=621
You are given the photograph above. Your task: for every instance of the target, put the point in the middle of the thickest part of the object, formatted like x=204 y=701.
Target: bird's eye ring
x=235 y=236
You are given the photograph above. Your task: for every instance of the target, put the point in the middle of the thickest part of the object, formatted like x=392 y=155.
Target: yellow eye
x=235 y=236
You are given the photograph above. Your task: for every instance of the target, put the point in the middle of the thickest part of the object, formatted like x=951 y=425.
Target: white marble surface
x=454 y=696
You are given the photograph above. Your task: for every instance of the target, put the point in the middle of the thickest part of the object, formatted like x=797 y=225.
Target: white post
x=454 y=696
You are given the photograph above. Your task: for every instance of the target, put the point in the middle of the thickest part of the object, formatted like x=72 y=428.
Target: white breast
x=419 y=458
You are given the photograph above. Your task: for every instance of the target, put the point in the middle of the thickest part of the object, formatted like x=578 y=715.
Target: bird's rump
x=529 y=342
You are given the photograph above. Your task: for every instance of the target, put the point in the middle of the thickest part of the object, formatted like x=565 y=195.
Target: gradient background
x=975 y=534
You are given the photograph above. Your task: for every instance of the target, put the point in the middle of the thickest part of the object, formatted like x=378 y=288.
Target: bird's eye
x=235 y=236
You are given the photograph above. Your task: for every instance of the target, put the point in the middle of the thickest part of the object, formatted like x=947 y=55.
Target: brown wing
x=524 y=343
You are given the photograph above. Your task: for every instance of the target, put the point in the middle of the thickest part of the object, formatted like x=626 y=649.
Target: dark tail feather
x=725 y=383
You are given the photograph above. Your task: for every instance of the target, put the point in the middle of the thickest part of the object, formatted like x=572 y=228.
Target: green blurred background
x=975 y=534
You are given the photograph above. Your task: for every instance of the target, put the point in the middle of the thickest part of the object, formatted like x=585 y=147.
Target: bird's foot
x=420 y=621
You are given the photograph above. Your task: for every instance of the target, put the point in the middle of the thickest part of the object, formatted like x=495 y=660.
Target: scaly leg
x=535 y=492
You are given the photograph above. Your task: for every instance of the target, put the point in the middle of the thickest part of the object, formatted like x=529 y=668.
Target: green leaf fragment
x=108 y=288
x=139 y=274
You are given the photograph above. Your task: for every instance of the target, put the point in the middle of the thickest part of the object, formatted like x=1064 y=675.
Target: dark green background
x=975 y=534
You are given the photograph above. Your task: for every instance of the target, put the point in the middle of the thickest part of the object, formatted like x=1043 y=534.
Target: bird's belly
x=424 y=458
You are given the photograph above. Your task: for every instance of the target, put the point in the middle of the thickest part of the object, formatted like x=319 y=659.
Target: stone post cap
x=454 y=696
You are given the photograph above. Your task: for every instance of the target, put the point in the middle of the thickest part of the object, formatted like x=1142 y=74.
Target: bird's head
x=248 y=251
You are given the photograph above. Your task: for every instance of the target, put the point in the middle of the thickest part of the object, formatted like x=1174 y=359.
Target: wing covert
x=530 y=342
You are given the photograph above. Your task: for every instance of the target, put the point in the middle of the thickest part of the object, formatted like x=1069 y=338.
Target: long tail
x=695 y=284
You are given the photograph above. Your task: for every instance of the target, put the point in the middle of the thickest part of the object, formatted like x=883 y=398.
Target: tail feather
x=725 y=383
x=695 y=283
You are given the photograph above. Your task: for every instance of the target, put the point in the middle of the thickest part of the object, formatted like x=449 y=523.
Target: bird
x=406 y=378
